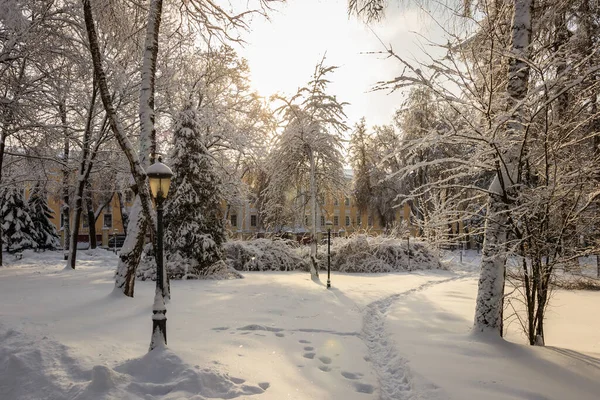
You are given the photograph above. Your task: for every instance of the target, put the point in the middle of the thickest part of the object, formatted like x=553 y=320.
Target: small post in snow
x=408 y=248
x=329 y=224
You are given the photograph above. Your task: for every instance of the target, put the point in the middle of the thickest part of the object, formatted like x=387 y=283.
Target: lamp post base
x=328 y=284
x=159 y=330
x=159 y=322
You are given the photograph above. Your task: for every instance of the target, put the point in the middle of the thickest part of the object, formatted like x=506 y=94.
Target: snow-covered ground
x=279 y=335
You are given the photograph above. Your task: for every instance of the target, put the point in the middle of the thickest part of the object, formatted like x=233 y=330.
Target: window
x=306 y=220
x=233 y=220
x=84 y=222
x=335 y=201
x=336 y=220
x=62 y=220
x=370 y=221
x=322 y=220
x=108 y=220
x=253 y=220
x=347 y=220
x=358 y=221
x=347 y=201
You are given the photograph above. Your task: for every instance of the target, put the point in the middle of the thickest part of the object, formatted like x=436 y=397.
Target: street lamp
x=328 y=224
x=159 y=176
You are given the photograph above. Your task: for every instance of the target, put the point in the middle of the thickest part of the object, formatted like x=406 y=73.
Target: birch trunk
x=314 y=272
x=489 y=305
x=133 y=246
x=125 y=278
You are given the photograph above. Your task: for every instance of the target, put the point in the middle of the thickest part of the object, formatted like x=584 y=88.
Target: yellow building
x=109 y=223
x=340 y=210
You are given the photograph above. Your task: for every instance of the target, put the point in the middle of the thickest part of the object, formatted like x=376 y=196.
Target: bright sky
x=283 y=52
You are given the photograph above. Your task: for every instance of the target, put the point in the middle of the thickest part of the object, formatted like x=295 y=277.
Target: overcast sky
x=283 y=52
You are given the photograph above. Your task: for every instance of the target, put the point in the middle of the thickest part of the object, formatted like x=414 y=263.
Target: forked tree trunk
x=125 y=277
x=85 y=167
x=66 y=208
x=490 y=295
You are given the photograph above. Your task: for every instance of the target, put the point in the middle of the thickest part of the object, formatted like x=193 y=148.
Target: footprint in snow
x=364 y=388
x=279 y=334
x=351 y=375
x=264 y=385
x=309 y=355
x=325 y=368
x=325 y=360
x=309 y=348
x=304 y=341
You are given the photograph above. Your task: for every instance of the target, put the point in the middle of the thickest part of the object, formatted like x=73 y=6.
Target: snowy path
x=393 y=373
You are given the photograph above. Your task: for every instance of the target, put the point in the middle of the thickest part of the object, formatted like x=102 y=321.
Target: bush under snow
x=362 y=253
x=262 y=255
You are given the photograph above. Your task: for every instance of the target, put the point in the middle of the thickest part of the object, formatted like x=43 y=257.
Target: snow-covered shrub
x=147 y=268
x=362 y=253
x=262 y=255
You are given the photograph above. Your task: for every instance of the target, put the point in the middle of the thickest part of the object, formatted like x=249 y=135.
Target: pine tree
x=17 y=227
x=194 y=232
x=46 y=236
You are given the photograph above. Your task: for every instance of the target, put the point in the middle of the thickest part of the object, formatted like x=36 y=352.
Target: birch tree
x=308 y=151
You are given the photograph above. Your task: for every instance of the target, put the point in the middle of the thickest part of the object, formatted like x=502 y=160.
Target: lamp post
x=159 y=176
x=328 y=224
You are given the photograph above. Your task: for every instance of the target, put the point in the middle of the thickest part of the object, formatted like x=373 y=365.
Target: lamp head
x=159 y=176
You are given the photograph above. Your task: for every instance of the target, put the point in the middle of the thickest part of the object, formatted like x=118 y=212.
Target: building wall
x=102 y=231
x=339 y=206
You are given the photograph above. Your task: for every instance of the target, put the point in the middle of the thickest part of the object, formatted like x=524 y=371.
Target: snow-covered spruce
x=45 y=236
x=194 y=232
x=362 y=253
x=17 y=227
x=262 y=255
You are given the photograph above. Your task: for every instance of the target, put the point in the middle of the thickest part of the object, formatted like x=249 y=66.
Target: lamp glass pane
x=165 y=183
x=154 y=186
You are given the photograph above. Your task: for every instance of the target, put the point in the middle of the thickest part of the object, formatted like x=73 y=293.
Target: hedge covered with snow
x=362 y=253
x=359 y=253
x=263 y=255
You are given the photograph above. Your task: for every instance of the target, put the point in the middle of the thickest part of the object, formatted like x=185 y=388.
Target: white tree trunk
x=314 y=272
x=130 y=254
x=488 y=309
x=488 y=312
